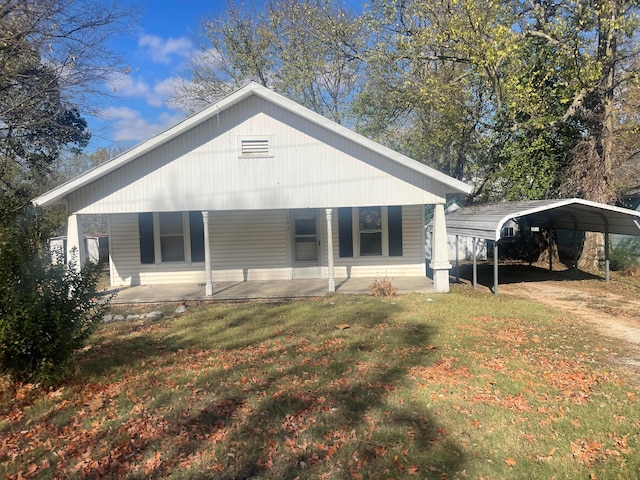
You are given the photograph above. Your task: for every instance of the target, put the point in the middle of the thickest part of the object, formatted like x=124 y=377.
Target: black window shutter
x=196 y=232
x=345 y=232
x=145 y=229
x=395 y=231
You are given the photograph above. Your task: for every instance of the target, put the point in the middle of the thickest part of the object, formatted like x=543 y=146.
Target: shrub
x=46 y=312
x=383 y=288
x=626 y=255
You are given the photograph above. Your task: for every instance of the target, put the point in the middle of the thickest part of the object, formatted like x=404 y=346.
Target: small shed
x=96 y=246
x=487 y=222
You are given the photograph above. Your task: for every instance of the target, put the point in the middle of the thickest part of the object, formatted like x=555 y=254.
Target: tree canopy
x=525 y=99
x=52 y=54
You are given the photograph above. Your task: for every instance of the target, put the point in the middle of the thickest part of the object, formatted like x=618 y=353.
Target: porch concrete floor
x=255 y=290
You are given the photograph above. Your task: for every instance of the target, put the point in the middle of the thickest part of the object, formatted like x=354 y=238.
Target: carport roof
x=486 y=221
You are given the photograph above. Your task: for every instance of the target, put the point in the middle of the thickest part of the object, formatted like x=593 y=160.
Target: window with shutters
x=370 y=231
x=171 y=237
x=256 y=146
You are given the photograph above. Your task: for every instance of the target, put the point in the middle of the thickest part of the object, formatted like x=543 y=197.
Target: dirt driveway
x=613 y=308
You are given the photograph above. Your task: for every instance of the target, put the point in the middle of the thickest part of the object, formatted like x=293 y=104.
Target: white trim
x=112 y=267
x=207 y=256
x=309 y=268
x=355 y=221
x=186 y=238
x=330 y=267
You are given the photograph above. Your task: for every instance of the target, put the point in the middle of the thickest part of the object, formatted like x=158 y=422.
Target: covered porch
x=260 y=290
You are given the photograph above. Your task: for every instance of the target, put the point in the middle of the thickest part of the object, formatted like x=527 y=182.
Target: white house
x=257 y=187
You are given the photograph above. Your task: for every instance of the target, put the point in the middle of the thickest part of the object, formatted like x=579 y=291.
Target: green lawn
x=463 y=385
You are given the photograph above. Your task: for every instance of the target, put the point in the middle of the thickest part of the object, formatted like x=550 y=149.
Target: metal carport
x=486 y=222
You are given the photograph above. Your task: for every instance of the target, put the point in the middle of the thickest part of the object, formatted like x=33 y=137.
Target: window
x=171 y=237
x=256 y=146
x=370 y=228
x=370 y=231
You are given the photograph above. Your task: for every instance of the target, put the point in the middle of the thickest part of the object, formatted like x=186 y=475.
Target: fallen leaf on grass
x=342 y=326
x=510 y=461
x=94 y=404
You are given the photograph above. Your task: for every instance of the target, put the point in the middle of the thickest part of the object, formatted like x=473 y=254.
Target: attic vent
x=256 y=147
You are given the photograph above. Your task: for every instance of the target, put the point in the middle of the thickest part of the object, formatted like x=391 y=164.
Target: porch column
x=75 y=242
x=332 y=280
x=208 y=289
x=439 y=255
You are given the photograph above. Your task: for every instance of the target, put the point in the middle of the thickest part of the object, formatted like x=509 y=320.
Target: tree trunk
x=607 y=50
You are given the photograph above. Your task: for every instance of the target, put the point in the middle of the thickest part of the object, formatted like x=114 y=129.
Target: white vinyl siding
x=126 y=267
x=244 y=246
x=202 y=169
x=250 y=245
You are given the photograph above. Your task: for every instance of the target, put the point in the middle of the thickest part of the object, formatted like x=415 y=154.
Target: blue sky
x=157 y=50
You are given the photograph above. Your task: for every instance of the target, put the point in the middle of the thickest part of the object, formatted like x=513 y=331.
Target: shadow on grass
x=274 y=391
x=520 y=273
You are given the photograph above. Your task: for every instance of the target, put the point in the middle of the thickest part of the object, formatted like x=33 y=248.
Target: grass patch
x=463 y=385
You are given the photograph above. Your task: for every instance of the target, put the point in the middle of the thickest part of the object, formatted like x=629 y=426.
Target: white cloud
x=129 y=125
x=162 y=50
x=128 y=86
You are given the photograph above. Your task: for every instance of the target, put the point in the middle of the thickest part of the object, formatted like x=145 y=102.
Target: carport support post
x=457 y=261
x=606 y=253
x=475 y=263
x=495 y=267
x=550 y=249
x=439 y=255
x=208 y=289
x=75 y=242
x=332 y=279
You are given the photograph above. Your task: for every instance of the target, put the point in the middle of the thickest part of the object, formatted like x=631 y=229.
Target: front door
x=306 y=251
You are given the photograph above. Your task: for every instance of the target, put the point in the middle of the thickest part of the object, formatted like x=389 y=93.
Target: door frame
x=308 y=269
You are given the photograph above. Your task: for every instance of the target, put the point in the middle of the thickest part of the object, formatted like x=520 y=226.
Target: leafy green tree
x=52 y=53
x=539 y=82
x=47 y=311
x=304 y=49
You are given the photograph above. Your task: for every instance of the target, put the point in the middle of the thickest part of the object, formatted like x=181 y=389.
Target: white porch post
x=439 y=256
x=332 y=280
x=75 y=241
x=208 y=289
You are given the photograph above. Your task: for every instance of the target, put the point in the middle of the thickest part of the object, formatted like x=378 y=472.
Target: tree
x=235 y=49
x=47 y=311
x=52 y=53
x=304 y=49
x=416 y=97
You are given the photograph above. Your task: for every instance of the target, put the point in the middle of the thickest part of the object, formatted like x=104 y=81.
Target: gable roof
x=486 y=221
x=57 y=194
